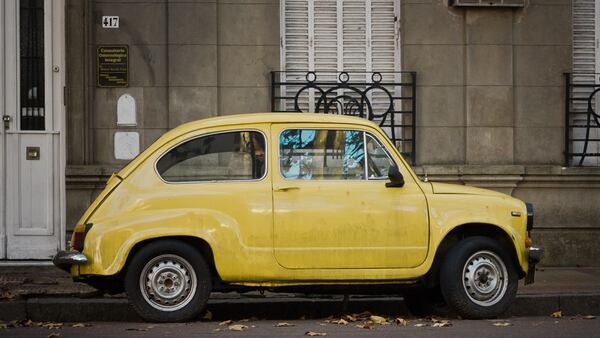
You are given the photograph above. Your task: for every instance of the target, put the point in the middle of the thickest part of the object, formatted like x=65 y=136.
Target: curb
x=118 y=309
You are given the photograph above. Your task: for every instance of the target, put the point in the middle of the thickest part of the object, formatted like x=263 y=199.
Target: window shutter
x=330 y=36
x=585 y=69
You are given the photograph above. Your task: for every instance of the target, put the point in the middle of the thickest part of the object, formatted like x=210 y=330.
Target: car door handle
x=282 y=189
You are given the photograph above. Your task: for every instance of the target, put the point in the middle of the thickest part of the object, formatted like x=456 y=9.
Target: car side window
x=378 y=159
x=319 y=154
x=238 y=155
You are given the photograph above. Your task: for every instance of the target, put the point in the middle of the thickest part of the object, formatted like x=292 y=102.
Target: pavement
x=45 y=293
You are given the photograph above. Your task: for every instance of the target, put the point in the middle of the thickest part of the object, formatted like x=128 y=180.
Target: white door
x=32 y=90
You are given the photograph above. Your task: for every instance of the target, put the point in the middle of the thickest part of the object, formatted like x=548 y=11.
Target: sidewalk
x=45 y=293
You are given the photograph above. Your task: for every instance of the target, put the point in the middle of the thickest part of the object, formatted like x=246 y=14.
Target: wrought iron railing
x=582 y=121
x=386 y=98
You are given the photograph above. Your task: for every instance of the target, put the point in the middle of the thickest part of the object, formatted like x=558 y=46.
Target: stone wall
x=188 y=60
x=489 y=100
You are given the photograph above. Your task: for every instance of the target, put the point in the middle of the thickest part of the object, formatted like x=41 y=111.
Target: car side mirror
x=396 y=178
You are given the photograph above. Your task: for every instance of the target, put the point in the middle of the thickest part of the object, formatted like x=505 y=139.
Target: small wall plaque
x=113 y=66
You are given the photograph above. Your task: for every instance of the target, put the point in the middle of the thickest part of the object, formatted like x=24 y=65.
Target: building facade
x=484 y=86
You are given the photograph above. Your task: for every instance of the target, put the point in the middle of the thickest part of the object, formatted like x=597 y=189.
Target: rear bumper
x=65 y=259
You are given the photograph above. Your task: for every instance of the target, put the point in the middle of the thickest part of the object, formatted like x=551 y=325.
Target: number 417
x=110 y=22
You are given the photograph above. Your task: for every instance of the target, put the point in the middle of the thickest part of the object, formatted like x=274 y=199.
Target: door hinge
x=6 y=119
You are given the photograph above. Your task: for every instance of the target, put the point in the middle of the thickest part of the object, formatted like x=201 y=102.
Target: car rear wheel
x=168 y=281
x=479 y=278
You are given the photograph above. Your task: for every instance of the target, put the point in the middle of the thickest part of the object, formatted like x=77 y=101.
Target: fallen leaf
x=283 y=324
x=420 y=325
x=227 y=322
x=503 y=324
x=208 y=316
x=50 y=325
x=7 y=295
x=367 y=325
x=401 y=321
x=217 y=329
x=340 y=321
x=80 y=325
x=350 y=318
x=238 y=327
x=314 y=334
x=53 y=335
x=362 y=316
x=589 y=317
x=443 y=323
x=379 y=320
x=557 y=314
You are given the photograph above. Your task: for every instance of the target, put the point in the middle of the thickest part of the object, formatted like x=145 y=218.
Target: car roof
x=273 y=117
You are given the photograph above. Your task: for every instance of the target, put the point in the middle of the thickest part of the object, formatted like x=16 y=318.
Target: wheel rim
x=485 y=278
x=168 y=282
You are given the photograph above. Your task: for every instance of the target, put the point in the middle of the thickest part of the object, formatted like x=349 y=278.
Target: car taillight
x=79 y=236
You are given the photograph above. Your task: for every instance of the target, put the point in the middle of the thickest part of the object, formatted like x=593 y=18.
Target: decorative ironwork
x=386 y=98
x=582 y=132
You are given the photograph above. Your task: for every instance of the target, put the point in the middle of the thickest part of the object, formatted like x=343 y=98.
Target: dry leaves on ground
x=5 y=294
x=80 y=325
x=315 y=334
x=401 y=321
x=503 y=324
x=340 y=321
x=237 y=327
x=379 y=320
x=589 y=317
x=440 y=323
x=52 y=326
x=557 y=314
x=283 y=324
x=366 y=325
x=226 y=322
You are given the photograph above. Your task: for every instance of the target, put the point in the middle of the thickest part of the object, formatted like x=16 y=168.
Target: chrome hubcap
x=485 y=278
x=168 y=282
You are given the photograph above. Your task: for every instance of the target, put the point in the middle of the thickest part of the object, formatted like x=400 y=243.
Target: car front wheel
x=479 y=278
x=168 y=281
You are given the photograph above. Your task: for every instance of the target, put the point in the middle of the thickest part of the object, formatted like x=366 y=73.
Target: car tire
x=422 y=302
x=478 y=278
x=168 y=281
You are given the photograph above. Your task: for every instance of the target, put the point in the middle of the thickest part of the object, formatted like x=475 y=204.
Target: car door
x=331 y=206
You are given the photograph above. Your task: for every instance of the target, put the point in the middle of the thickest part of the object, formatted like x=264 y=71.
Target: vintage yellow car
x=295 y=201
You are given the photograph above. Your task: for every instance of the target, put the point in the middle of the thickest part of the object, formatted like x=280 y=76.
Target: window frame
x=266 y=150
x=386 y=152
x=366 y=169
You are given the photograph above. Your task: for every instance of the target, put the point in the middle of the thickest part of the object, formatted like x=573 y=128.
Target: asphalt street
x=578 y=326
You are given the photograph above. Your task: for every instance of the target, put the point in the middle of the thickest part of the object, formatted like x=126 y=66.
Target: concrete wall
x=489 y=111
x=187 y=60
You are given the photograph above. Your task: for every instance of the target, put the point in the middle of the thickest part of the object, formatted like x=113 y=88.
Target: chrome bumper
x=64 y=259
x=535 y=256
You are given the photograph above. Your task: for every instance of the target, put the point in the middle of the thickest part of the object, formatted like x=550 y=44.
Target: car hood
x=444 y=188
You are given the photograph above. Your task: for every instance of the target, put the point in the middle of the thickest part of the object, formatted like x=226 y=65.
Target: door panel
x=346 y=223
x=32 y=173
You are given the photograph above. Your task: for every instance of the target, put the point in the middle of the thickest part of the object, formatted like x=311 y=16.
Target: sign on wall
x=110 y=22
x=113 y=66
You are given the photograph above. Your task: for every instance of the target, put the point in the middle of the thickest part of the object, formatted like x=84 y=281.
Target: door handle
x=282 y=189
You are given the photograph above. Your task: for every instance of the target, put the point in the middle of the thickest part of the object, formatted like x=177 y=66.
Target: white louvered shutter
x=585 y=64
x=330 y=36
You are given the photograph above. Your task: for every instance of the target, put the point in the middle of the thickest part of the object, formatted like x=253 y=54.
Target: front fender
x=452 y=211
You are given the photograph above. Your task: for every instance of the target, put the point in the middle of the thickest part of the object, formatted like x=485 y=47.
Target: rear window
x=238 y=155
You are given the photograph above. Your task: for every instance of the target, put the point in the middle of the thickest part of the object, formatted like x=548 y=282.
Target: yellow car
x=297 y=202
